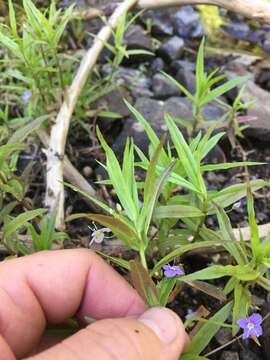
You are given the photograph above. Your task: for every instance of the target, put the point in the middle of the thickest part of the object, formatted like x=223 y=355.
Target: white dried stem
x=263 y=232
x=254 y=9
x=71 y=174
x=55 y=154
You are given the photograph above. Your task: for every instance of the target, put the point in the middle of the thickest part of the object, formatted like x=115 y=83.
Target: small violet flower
x=26 y=96
x=251 y=326
x=99 y=235
x=237 y=205
x=172 y=271
x=190 y=314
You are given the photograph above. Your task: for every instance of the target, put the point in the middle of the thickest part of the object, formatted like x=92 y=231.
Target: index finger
x=53 y=286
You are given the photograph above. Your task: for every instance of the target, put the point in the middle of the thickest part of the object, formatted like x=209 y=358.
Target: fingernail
x=164 y=322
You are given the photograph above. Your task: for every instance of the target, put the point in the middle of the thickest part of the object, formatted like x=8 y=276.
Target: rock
x=239 y=30
x=163 y=87
x=179 y=107
x=266 y=42
x=87 y=171
x=135 y=80
x=183 y=64
x=223 y=336
x=160 y=21
x=229 y=355
x=182 y=108
x=259 y=128
x=187 y=23
x=211 y=111
x=113 y=102
x=135 y=38
x=153 y=112
x=185 y=74
x=157 y=65
x=172 y=49
x=263 y=79
x=256 y=36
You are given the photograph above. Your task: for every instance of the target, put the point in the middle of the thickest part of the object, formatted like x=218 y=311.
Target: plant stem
x=264 y=283
x=143 y=259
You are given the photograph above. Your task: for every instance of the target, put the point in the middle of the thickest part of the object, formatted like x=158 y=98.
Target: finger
x=158 y=334
x=6 y=353
x=52 y=286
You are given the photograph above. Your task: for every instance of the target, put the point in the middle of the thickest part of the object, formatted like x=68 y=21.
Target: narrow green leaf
x=242 y=301
x=240 y=272
x=149 y=131
x=226 y=166
x=117 y=261
x=165 y=287
x=231 y=244
x=176 y=211
x=179 y=86
x=143 y=283
x=200 y=341
x=21 y=134
x=151 y=197
x=210 y=144
x=12 y=18
x=222 y=89
x=208 y=289
x=12 y=226
x=120 y=229
x=200 y=76
x=254 y=230
x=182 y=250
x=185 y=155
x=118 y=180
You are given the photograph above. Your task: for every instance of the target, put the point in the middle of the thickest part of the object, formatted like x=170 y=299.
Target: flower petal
x=243 y=323
x=256 y=319
x=257 y=331
x=246 y=333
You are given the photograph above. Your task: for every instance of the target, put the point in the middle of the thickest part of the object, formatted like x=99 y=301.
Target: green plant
x=231 y=117
x=172 y=194
x=205 y=92
x=37 y=73
x=46 y=236
x=119 y=48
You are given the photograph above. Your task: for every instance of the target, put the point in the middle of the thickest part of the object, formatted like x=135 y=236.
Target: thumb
x=158 y=334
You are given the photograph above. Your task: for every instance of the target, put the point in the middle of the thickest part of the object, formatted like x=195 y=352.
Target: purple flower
x=251 y=326
x=237 y=205
x=172 y=271
x=99 y=235
x=190 y=314
x=26 y=96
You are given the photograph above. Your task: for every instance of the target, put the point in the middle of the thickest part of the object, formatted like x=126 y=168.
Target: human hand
x=50 y=287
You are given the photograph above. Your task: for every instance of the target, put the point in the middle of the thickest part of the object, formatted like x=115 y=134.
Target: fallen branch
x=254 y=9
x=263 y=232
x=70 y=173
x=55 y=153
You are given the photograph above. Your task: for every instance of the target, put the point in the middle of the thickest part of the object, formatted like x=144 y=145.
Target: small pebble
x=87 y=171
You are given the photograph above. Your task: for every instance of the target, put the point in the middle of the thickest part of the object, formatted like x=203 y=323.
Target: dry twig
x=263 y=232
x=70 y=173
x=56 y=150
x=255 y=9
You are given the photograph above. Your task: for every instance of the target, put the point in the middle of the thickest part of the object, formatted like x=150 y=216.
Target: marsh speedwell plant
x=163 y=217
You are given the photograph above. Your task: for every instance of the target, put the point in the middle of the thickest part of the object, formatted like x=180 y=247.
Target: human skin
x=50 y=287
